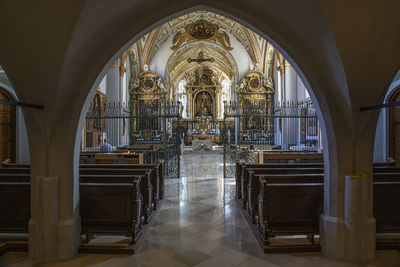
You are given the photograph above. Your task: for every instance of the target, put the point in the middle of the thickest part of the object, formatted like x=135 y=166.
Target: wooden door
x=7 y=128
x=394 y=128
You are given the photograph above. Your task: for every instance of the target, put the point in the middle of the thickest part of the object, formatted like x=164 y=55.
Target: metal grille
x=280 y=127
x=157 y=134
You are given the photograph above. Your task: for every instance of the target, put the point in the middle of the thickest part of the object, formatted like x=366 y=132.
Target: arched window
x=181 y=92
x=7 y=128
x=394 y=128
x=225 y=96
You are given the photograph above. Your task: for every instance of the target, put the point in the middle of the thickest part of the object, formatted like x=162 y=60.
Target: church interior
x=173 y=133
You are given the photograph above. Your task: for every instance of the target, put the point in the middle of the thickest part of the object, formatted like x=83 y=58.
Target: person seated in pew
x=105 y=147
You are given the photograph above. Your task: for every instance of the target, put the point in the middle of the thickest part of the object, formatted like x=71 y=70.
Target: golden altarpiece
x=147 y=100
x=95 y=125
x=255 y=95
x=203 y=94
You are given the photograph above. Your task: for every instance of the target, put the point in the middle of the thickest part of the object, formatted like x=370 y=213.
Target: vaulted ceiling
x=252 y=43
x=234 y=50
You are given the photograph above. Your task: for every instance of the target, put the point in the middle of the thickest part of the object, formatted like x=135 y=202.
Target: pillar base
x=51 y=238
x=332 y=231
x=339 y=243
x=69 y=238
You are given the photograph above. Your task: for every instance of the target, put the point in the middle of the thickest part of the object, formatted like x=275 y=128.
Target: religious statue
x=203 y=105
x=203 y=108
x=181 y=110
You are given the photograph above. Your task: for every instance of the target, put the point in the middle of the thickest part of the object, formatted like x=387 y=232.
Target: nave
x=200 y=224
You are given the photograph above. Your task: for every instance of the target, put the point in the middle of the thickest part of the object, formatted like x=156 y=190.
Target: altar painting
x=149 y=109
x=254 y=111
x=204 y=105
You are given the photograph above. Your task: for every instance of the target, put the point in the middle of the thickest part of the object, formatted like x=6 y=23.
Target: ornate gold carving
x=203 y=89
x=148 y=85
x=201 y=30
x=254 y=85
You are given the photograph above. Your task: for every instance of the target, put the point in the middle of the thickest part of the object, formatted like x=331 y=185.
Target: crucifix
x=200 y=59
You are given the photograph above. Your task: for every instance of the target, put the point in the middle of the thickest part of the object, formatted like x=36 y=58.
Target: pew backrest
x=292 y=207
x=109 y=178
x=15 y=206
x=15 y=170
x=110 y=208
x=287 y=170
x=288 y=178
x=15 y=177
x=386 y=201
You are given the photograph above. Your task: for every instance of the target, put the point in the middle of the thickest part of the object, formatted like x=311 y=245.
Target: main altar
x=203 y=91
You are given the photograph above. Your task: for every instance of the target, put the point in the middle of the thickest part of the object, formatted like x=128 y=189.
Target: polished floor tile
x=200 y=224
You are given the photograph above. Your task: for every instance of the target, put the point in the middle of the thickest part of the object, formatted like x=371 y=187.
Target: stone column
x=189 y=103
x=347 y=225
x=289 y=125
x=218 y=111
x=113 y=90
x=54 y=227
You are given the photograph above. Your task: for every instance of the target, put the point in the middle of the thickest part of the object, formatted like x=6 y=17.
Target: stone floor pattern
x=199 y=225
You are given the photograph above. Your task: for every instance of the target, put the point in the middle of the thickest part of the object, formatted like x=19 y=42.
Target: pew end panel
x=290 y=209
x=387 y=207
x=15 y=208
x=113 y=209
x=238 y=177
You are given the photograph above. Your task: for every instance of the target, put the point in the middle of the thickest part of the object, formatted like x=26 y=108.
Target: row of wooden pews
x=115 y=199
x=287 y=199
x=117 y=157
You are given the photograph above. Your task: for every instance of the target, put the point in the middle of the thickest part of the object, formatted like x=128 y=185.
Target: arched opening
x=323 y=69
x=202 y=84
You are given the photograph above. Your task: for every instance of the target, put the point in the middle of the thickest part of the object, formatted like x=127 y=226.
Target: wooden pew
x=104 y=208
x=387 y=206
x=16 y=170
x=386 y=177
x=15 y=207
x=245 y=176
x=116 y=157
x=272 y=156
x=290 y=209
x=238 y=177
x=105 y=158
x=8 y=164
x=25 y=178
x=381 y=172
x=241 y=168
x=387 y=169
x=158 y=167
x=385 y=164
x=254 y=188
x=111 y=209
x=387 y=212
x=112 y=176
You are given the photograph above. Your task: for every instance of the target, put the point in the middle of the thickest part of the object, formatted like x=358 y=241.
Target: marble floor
x=199 y=224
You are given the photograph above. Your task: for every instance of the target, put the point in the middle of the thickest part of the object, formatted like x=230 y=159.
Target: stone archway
x=308 y=34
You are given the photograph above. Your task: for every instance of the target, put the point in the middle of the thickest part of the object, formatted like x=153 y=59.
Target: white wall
x=103 y=85
x=302 y=93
